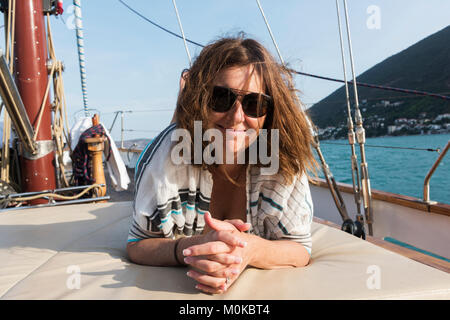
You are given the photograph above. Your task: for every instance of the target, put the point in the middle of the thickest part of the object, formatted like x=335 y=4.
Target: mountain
x=424 y=66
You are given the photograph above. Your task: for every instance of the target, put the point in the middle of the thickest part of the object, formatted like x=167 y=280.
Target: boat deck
x=46 y=252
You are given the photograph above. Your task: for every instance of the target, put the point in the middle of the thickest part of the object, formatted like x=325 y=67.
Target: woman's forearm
x=276 y=254
x=159 y=251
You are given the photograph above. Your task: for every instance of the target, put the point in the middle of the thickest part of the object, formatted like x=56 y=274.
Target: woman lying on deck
x=220 y=205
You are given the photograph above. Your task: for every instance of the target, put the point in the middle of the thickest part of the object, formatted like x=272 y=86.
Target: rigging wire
x=374 y=86
x=138 y=111
x=331 y=181
x=351 y=132
x=270 y=32
x=157 y=25
x=81 y=59
x=415 y=92
x=407 y=96
x=360 y=136
x=138 y=130
x=182 y=33
x=438 y=150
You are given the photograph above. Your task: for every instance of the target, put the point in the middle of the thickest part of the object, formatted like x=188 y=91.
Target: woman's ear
x=183 y=77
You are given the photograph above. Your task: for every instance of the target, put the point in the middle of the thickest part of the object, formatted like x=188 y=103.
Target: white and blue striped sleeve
x=287 y=211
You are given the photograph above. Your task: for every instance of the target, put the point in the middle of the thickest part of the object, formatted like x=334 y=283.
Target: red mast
x=31 y=73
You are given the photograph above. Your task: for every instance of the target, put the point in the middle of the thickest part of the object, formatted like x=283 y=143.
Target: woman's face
x=234 y=124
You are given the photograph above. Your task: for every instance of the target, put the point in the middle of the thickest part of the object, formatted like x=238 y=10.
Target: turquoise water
x=396 y=170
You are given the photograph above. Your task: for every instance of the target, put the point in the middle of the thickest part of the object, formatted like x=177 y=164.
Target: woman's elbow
x=132 y=252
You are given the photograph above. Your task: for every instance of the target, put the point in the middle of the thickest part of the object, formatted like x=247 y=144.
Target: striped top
x=171 y=200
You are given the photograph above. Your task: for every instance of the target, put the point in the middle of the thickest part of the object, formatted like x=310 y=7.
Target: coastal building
x=391 y=129
x=442 y=117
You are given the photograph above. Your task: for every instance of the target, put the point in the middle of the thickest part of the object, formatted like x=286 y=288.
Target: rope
x=438 y=150
x=41 y=110
x=60 y=107
x=51 y=195
x=80 y=44
x=10 y=35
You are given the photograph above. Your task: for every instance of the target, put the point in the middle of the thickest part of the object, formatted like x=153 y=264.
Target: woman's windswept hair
x=295 y=137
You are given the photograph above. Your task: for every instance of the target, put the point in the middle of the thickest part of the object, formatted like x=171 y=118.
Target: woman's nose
x=236 y=113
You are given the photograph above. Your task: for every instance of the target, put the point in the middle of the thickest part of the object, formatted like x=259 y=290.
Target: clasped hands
x=223 y=253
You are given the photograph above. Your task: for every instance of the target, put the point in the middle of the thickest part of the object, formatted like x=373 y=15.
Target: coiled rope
x=50 y=195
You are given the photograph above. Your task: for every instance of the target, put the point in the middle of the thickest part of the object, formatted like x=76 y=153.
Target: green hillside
x=424 y=66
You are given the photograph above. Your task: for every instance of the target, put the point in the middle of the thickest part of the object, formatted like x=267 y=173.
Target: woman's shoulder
x=158 y=166
x=156 y=155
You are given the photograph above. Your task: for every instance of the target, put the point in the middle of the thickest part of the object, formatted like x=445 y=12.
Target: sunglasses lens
x=256 y=105
x=222 y=99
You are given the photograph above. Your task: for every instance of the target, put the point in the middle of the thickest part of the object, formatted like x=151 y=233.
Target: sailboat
x=60 y=241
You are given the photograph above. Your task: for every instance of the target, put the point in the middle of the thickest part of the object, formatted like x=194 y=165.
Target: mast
x=31 y=73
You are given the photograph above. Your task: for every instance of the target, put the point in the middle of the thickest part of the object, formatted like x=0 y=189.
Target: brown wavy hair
x=295 y=138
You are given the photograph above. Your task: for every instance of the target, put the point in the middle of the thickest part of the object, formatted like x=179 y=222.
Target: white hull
x=425 y=230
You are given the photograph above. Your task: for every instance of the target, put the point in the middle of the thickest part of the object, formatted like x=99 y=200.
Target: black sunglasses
x=254 y=104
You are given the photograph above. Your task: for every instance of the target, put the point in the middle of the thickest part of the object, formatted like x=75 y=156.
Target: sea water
x=395 y=170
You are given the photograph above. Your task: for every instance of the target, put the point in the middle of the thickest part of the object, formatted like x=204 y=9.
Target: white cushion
x=41 y=251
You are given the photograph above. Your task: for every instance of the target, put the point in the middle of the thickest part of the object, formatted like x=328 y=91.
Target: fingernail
x=189 y=274
x=238 y=259
x=243 y=244
x=187 y=260
x=186 y=252
x=235 y=271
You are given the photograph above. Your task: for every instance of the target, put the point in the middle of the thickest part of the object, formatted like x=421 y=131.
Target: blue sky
x=132 y=65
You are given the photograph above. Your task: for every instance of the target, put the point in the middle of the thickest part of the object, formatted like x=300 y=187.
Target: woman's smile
x=231 y=129
x=234 y=124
